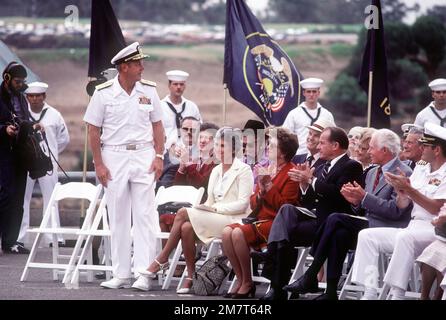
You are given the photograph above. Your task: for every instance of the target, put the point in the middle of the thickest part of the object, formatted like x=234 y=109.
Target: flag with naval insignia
x=375 y=60
x=258 y=73
x=106 y=38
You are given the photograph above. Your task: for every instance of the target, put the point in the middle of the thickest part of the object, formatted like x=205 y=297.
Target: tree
x=438 y=12
x=336 y=11
x=430 y=34
x=346 y=95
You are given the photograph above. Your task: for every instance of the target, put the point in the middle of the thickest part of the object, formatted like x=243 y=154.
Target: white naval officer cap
x=311 y=83
x=406 y=127
x=321 y=124
x=36 y=88
x=129 y=53
x=177 y=75
x=438 y=84
x=434 y=134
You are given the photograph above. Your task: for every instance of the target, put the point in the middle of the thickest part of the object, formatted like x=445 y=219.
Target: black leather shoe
x=303 y=285
x=16 y=249
x=275 y=295
x=100 y=275
x=259 y=257
x=326 y=296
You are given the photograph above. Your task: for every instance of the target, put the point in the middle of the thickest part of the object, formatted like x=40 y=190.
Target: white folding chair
x=179 y=194
x=85 y=239
x=71 y=190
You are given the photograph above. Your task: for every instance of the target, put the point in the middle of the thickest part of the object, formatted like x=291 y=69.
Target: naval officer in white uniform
x=58 y=138
x=307 y=113
x=435 y=112
x=128 y=158
x=426 y=188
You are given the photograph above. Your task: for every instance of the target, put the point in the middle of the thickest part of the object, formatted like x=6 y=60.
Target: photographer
x=14 y=114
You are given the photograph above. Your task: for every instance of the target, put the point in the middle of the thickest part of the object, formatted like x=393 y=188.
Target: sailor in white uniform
x=58 y=138
x=435 y=112
x=307 y=113
x=128 y=159
x=176 y=107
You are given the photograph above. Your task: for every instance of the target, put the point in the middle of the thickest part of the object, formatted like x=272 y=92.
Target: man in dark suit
x=377 y=202
x=321 y=191
x=14 y=117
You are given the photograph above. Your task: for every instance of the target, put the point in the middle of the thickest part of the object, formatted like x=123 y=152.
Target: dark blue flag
x=258 y=73
x=106 y=38
x=374 y=60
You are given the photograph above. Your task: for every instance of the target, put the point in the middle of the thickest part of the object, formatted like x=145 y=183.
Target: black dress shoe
x=100 y=275
x=275 y=295
x=16 y=249
x=326 y=296
x=303 y=285
x=229 y=295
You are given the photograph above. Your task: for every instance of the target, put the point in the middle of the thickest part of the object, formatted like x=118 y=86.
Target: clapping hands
x=353 y=193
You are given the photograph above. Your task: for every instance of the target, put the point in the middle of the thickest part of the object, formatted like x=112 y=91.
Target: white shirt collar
x=333 y=162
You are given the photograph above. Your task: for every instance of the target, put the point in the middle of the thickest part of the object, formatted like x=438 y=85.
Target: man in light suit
x=320 y=189
x=377 y=202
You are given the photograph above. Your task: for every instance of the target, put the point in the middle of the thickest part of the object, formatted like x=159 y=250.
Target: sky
x=424 y=5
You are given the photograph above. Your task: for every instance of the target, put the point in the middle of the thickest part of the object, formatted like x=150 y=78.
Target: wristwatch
x=160 y=156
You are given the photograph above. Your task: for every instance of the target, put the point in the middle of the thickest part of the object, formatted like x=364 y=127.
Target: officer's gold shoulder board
x=421 y=163
x=148 y=83
x=104 y=85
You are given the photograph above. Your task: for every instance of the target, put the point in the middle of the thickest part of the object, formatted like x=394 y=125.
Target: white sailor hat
x=129 y=53
x=438 y=84
x=36 y=88
x=408 y=126
x=311 y=83
x=433 y=134
x=177 y=75
x=321 y=124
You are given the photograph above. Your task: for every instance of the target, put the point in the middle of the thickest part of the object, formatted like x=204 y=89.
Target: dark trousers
x=13 y=184
x=290 y=229
x=337 y=235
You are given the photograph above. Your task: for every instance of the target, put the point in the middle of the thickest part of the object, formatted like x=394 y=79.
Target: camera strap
x=46 y=141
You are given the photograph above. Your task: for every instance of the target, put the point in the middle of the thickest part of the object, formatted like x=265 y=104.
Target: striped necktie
x=377 y=178
x=325 y=169
x=310 y=160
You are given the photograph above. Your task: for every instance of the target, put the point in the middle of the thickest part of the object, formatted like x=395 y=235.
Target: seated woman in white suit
x=229 y=190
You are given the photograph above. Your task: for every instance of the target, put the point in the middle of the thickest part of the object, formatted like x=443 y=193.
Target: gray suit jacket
x=379 y=206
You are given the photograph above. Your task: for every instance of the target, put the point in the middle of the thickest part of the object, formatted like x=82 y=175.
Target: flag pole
x=369 y=103
x=84 y=166
x=225 y=100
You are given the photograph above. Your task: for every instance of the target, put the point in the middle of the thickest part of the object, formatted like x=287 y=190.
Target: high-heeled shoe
x=162 y=268
x=185 y=290
x=250 y=294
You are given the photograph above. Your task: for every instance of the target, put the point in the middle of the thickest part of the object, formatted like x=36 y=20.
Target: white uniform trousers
x=405 y=244
x=46 y=184
x=130 y=202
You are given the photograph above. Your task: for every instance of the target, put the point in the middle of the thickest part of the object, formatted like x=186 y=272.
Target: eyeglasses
x=440 y=92
x=188 y=129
